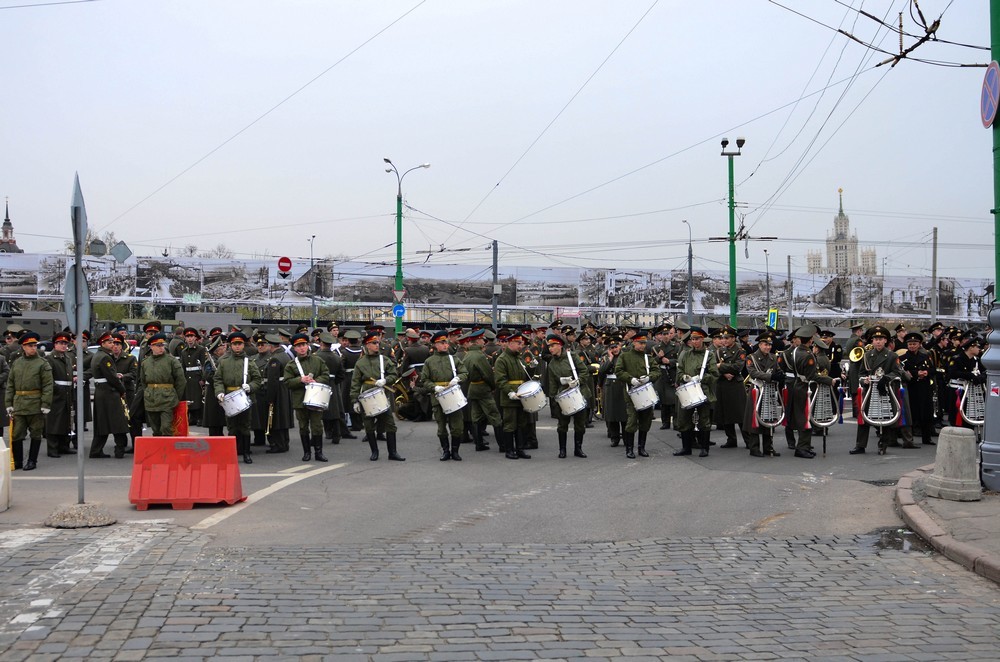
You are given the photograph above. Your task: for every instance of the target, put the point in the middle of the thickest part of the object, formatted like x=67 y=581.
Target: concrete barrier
x=956 y=470
x=5 y=461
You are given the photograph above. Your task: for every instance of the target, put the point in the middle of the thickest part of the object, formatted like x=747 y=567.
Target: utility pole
x=496 y=285
x=790 y=298
x=733 y=303
x=934 y=280
x=690 y=277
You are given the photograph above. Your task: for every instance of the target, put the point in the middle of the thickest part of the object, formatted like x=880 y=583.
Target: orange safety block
x=183 y=471
x=180 y=427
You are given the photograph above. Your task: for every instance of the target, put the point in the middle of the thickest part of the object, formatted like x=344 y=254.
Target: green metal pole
x=995 y=130
x=733 y=304
x=399 y=252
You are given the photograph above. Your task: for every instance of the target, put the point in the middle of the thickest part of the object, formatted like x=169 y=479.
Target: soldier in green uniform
x=690 y=364
x=635 y=369
x=374 y=370
x=109 y=400
x=162 y=383
x=566 y=371
x=58 y=422
x=28 y=399
x=236 y=371
x=482 y=387
x=441 y=371
x=306 y=368
x=510 y=371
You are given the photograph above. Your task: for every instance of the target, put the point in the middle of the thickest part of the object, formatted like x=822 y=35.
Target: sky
x=576 y=133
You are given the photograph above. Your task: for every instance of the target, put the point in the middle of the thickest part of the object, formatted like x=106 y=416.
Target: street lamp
x=733 y=303
x=313 y=272
x=767 y=286
x=690 y=277
x=398 y=294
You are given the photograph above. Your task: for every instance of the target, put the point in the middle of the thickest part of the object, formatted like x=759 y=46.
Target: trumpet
x=877 y=409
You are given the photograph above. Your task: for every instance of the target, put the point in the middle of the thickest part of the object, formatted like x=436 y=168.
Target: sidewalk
x=967 y=532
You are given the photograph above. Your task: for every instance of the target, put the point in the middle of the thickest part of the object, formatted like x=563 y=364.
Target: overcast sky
x=577 y=133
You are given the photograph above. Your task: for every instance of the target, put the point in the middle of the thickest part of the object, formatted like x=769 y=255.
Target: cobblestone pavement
x=153 y=589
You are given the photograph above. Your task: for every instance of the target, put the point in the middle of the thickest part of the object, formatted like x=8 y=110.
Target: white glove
x=246 y=388
x=45 y=411
x=220 y=397
x=512 y=395
x=10 y=412
x=644 y=379
x=635 y=381
x=379 y=383
x=685 y=378
x=357 y=407
x=573 y=383
x=565 y=381
x=453 y=382
x=438 y=389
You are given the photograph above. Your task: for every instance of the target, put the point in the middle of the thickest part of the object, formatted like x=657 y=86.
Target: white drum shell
x=691 y=395
x=317 y=396
x=235 y=402
x=643 y=396
x=532 y=397
x=571 y=401
x=451 y=399
x=374 y=402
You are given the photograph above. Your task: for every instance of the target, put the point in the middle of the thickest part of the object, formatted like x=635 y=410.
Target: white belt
x=101 y=380
x=195 y=368
x=417 y=365
x=352 y=369
x=607 y=377
x=59 y=383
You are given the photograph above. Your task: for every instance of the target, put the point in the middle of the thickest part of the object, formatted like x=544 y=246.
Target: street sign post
x=284 y=264
x=772 y=318
x=990 y=96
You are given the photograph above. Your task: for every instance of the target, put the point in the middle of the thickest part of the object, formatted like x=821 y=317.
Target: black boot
x=687 y=442
x=390 y=441
x=642 y=444
x=345 y=432
x=243 y=441
x=477 y=432
x=614 y=431
x=455 y=443
x=562 y=443
x=97 y=446
x=703 y=436
x=306 y=446
x=506 y=442
x=482 y=428
x=518 y=443
x=445 y=450
x=630 y=445
x=52 y=445
x=372 y=444
x=318 y=449
x=121 y=441
x=578 y=443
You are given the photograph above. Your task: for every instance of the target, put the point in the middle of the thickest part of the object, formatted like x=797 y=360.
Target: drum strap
x=645 y=357
x=453 y=370
x=704 y=362
x=381 y=366
x=299 y=366
x=246 y=366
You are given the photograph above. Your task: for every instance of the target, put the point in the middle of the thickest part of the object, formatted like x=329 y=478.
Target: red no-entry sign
x=284 y=264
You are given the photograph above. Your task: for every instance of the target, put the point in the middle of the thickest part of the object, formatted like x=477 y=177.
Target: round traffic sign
x=284 y=264
x=399 y=310
x=990 y=97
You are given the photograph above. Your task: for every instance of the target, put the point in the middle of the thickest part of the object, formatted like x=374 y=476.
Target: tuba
x=877 y=409
x=769 y=411
x=973 y=401
x=825 y=404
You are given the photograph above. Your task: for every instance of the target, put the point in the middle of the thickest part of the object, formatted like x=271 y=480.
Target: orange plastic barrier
x=180 y=427
x=183 y=471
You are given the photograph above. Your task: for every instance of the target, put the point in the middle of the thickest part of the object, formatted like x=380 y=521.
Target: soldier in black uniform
x=614 y=408
x=415 y=353
x=965 y=365
x=279 y=402
x=916 y=363
x=192 y=356
x=58 y=422
x=213 y=417
x=334 y=413
x=109 y=401
x=128 y=367
x=350 y=353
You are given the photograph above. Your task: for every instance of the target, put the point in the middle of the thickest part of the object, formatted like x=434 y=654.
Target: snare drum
x=451 y=399
x=532 y=397
x=691 y=395
x=571 y=401
x=374 y=402
x=643 y=396
x=317 y=396
x=235 y=403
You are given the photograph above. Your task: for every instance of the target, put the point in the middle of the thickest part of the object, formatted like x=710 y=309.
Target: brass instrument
x=824 y=404
x=128 y=417
x=858 y=353
x=270 y=418
x=769 y=408
x=900 y=352
x=877 y=409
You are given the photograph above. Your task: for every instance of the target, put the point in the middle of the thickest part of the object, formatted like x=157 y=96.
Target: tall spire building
x=842 y=256
x=7 y=242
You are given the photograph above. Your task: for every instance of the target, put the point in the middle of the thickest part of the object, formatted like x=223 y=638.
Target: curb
x=975 y=559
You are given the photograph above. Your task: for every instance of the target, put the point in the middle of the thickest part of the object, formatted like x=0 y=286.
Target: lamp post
x=312 y=271
x=733 y=303
x=690 y=277
x=767 y=286
x=399 y=231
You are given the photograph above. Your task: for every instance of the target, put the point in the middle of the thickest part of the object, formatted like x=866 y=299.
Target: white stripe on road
x=222 y=515
x=20 y=537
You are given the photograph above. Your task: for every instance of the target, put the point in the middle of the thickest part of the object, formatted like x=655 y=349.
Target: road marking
x=295 y=469
x=20 y=537
x=222 y=515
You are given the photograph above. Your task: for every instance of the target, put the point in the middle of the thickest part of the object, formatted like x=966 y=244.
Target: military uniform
x=565 y=372
x=800 y=363
x=666 y=354
x=731 y=395
x=763 y=369
x=482 y=392
x=59 y=421
x=279 y=401
x=635 y=368
x=310 y=420
x=109 y=405
x=350 y=355
x=213 y=416
x=966 y=368
x=510 y=372
x=192 y=358
x=368 y=370
x=613 y=407
x=689 y=366
x=440 y=372
x=28 y=398
x=919 y=394
x=335 y=411
x=162 y=382
x=874 y=360
x=237 y=371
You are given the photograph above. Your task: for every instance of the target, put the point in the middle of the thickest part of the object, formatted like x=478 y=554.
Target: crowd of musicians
x=330 y=385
